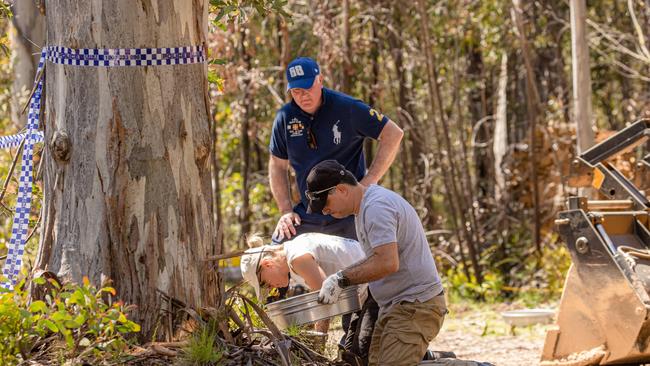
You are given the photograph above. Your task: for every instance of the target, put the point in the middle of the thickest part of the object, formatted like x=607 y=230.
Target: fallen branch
x=219 y=257
x=281 y=344
x=164 y=351
x=178 y=344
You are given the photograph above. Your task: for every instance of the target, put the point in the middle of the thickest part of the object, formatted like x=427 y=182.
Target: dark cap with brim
x=301 y=73
x=305 y=83
x=325 y=175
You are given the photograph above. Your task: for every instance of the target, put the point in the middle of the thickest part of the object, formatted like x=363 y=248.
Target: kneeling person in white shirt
x=308 y=259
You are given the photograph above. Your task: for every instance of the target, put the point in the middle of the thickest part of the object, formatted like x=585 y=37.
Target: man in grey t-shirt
x=399 y=267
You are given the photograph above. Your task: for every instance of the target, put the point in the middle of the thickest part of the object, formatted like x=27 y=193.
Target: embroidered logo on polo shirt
x=337 y=133
x=295 y=127
x=374 y=113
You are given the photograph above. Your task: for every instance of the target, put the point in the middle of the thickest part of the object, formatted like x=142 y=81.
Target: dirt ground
x=478 y=332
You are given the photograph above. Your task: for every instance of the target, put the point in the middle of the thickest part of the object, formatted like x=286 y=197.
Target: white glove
x=330 y=290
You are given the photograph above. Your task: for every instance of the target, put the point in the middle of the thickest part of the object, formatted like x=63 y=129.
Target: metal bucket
x=305 y=308
x=520 y=318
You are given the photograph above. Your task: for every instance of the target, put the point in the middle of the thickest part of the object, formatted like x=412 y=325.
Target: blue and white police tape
x=100 y=57
x=7 y=142
x=126 y=56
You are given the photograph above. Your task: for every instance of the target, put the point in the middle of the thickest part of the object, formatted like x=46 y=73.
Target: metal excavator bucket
x=604 y=312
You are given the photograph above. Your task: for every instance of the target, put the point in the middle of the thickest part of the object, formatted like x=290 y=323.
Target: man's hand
x=285 y=227
x=330 y=291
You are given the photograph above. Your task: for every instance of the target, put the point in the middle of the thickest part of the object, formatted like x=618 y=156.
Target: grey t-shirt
x=385 y=217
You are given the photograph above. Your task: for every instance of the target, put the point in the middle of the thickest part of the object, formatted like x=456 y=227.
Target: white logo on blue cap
x=301 y=73
x=296 y=71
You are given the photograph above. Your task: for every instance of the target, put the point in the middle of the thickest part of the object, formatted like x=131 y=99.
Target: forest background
x=484 y=159
x=486 y=151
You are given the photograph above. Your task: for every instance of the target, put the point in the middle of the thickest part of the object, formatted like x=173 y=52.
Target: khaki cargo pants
x=402 y=335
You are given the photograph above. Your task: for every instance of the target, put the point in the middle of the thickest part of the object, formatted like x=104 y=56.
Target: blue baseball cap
x=301 y=73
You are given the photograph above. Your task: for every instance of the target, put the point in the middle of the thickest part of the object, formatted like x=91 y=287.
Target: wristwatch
x=342 y=281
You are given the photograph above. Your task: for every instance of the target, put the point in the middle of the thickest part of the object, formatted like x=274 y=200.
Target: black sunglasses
x=311 y=139
x=317 y=195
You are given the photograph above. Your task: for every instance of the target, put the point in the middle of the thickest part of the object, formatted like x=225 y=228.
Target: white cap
x=249 y=265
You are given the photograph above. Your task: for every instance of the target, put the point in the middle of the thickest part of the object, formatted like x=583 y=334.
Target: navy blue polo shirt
x=339 y=126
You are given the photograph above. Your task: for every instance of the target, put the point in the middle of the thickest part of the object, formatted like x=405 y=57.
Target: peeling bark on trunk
x=133 y=203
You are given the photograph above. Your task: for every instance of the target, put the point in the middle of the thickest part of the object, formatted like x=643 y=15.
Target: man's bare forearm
x=279 y=182
x=389 y=142
x=368 y=270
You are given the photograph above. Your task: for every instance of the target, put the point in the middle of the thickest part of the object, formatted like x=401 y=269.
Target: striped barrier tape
x=74 y=57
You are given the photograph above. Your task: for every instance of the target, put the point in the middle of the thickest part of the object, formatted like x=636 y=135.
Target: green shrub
x=532 y=281
x=73 y=318
x=462 y=288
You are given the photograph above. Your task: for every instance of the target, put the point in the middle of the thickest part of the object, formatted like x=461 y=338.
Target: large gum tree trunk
x=127 y=172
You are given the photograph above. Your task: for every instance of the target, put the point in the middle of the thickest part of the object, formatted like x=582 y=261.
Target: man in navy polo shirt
x=320 y=124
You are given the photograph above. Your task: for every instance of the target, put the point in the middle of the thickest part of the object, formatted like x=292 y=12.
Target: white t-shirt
x=332 y=253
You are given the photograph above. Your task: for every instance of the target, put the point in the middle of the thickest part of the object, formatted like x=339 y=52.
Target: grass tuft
x=202 y=349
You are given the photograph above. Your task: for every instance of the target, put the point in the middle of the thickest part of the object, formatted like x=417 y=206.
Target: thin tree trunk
x=218 y=223
x=414 y=142
x=469 y=223
x=627 y=98
x=408 y=180
x=500 y=140
x=131 y=199
x=216 y=182
x=450 y=175
x=260 y=159
x=245 y=147
x=481 y=156
x=563 y=92
x=27 y=35
x=368 y=144
x=396 y=45
x=285 y=54
x=466 y=183
x=581 y=75
x=532 y=101
x=346 y=70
